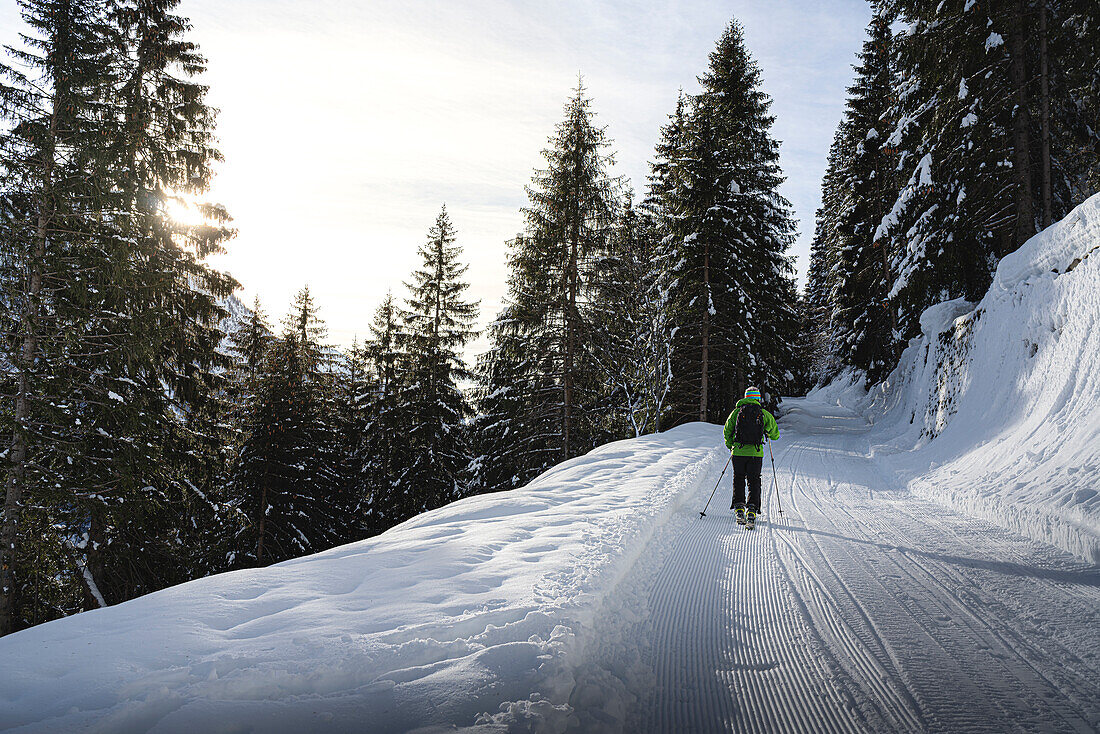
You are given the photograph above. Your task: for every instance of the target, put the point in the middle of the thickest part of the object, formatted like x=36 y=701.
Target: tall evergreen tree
x=730 y=230
x=119 y=317
x=632 y=324
x=285 y=479
x=863 y=319
x=436 y=323
x=541 y=392
x=51 y=159
x=387 y=451
x=983 y=160
x=824 y=359
x=569 y=220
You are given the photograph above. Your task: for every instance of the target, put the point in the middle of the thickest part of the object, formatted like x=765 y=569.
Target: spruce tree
x=730 y=230
x=52 y=158
x=387 y=452
x=569 y=219
x=823 y=359
x=285 y=479
x=864 y=320
x=632 y=324
x=436 y=324
x=148 y=375
x=988 y=124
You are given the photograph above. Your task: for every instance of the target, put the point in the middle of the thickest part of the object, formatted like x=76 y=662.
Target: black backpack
x=748 y=429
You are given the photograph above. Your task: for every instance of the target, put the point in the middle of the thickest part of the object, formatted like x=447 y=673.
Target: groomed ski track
x=861 y=608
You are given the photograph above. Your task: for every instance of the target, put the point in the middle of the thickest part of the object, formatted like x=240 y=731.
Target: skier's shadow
x=1085 y=576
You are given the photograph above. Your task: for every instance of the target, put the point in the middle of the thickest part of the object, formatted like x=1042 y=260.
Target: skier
x=745 y=431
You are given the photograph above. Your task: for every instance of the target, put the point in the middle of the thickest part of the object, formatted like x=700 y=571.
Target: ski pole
x=727 y=466
x=775 y=478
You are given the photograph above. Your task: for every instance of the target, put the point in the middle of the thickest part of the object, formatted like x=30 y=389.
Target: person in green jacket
x=746 y=445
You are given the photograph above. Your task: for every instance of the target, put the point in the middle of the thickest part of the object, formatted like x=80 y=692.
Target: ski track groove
x=737 y=660
x=874 y=610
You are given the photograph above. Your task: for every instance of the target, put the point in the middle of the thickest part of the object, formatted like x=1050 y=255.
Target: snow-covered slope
x=1003 y=398
x=484 y=601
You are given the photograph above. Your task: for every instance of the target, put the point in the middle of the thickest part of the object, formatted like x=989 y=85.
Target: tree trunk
x=93 y=563
x=28 y=318
x=706 y=334
x=570 y=342
x=262 y=523
x=1025 y=204
x=1044 y=70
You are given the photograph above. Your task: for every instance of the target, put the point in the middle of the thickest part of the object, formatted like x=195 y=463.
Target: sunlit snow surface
x=1011 y=390
x=596 y=599
x=437 y=620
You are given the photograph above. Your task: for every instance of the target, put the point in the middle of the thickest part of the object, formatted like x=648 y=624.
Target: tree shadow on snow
x=1085 y=575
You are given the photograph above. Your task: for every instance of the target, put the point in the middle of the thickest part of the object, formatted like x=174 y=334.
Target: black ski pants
x=747 y=469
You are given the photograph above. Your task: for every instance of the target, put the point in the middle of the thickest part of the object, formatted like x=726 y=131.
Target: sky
x=346 y=124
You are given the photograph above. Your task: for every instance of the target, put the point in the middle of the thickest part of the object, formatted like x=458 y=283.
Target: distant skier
x=745 y=431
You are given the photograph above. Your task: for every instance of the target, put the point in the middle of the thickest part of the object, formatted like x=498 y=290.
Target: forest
x=156 y=430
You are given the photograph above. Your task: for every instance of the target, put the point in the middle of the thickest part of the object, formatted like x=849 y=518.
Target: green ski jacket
x=771 y=428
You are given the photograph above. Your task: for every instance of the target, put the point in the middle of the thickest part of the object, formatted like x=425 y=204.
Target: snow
x=924 y=169
x=1003 y=398
x=597 y=599
x=993 y=41
x=473 y=605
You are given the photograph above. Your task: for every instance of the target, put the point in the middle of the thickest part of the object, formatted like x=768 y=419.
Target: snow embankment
x=475 y=613
x=1002 y=399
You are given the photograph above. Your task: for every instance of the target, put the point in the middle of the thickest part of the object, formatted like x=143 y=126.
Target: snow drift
x=1003 y=398
x=472 y=613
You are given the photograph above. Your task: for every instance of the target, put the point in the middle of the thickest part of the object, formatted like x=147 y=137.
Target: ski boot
x=750 y=519
x=740 y=514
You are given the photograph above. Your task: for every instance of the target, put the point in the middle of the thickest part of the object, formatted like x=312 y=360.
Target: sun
x=183 y=209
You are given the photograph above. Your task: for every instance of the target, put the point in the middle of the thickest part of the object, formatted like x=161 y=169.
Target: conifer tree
x=436 y=323
x=632 y=324
x=386 y=451
x=983 y=159
x=824 y=359
x=285 y=479
x=148 y=375
x=51 y=156
x=120 y=317
x=569 y=220
x=864 y=320
x=730 y=230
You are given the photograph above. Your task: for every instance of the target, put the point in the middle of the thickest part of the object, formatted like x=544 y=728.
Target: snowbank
x=1003 y=399
x=476 y=613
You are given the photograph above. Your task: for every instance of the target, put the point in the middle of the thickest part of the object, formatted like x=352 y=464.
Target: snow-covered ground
x=438 y=620
x=596 y=599
x=1009 y=390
